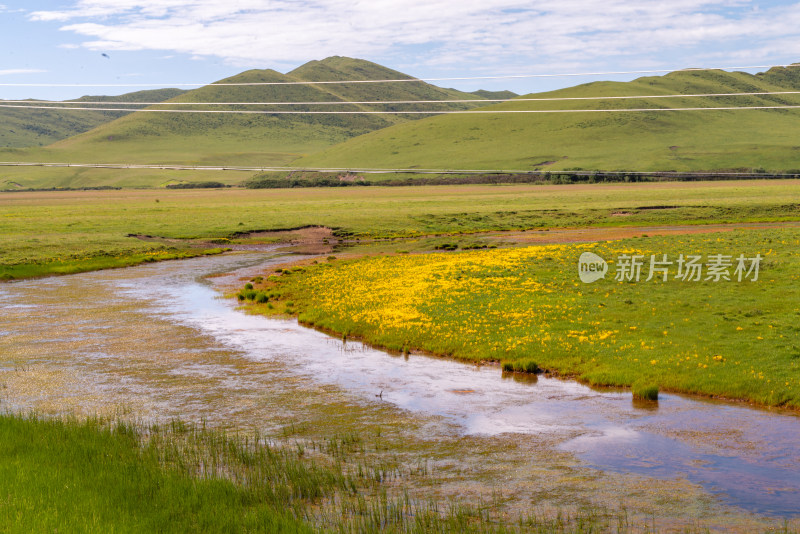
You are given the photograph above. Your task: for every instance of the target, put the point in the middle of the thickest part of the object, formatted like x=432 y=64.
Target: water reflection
x=158 y=341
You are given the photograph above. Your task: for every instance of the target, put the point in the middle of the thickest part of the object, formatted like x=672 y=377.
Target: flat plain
x=54 y=232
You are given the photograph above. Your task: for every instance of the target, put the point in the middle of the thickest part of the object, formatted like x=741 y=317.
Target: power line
x=393 y=102
x=414 y=112
x=398 y=80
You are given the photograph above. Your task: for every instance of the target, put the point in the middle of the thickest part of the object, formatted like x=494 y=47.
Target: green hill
x=647 y=141
x=489 y=95
x=37 y=127
x=613 y=141
x=231 y=139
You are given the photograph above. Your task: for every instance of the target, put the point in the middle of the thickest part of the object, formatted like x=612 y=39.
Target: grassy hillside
x=229 y=139
x=483 y=93
x=680 y=141
x=38 y=127
x=645 y=141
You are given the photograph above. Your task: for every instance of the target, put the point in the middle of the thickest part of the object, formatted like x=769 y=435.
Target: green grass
x=35 y=127
x=60 y=475
x=645 y=392
x=229 y=139
x=98 y=261
x=640 y=141
x=728 y=338
x=38 y=127
x=17 y=178
x=43 y=233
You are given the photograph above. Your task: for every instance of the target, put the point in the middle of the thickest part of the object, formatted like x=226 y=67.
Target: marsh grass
x=100 y=475
x=70 y=476
x=647 y=392
x=525 y=365
x=39 y=269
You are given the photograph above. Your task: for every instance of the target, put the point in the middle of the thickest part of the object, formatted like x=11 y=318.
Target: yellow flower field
x=730 y=338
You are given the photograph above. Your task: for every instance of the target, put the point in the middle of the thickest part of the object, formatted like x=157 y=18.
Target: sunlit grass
x=91 y=477
x=40 y=231
x=94 y=263
x=728 y=338
x=105 y=476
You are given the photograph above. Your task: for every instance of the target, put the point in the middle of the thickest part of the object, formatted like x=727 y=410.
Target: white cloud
x=8 y=72
x=5 y=9
x=437 y=32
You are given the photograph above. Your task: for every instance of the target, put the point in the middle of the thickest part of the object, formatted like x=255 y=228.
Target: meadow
x=39 y=127
x=65 y=475
x=731 y=335
x=215 y=139
x=695 y=140
x=523 y=306
x=612 y=141
x=45 y=233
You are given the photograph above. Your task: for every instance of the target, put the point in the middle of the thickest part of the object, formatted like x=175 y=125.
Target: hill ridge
x=641 y=141
x=249 y=139
x=28 y=127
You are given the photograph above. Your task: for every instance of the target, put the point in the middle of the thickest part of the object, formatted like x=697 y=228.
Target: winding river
x=157 y=341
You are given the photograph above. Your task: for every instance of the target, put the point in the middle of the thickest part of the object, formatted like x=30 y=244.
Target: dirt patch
x=308 y=240
x=156 y=239
x=350 y=178
x=309 y=234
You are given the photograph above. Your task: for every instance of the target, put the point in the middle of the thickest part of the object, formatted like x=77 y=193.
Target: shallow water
x=157 y=342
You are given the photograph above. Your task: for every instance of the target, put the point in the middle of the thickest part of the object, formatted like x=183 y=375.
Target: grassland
x=21 y=128
x=635 y=141
x=88 y=477
x=521 y=306
x=94 y=475
x=527 y=306
x=47 y=232
x=230 y=139
x=101 y=259
x=685 y=141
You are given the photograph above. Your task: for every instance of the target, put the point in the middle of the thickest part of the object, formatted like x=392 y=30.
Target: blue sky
x=171 y=41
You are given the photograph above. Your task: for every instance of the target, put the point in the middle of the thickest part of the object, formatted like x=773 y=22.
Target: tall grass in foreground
x=60 y=475
x=65 y=476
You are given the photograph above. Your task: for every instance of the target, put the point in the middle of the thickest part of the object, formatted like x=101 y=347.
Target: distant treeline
x=198 y=185
x=278 y=183
x=565 y=177
x=35 y=189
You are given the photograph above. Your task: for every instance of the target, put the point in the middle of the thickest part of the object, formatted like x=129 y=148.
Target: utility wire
x=415 y=112
x=398 y=80
x=392 y=102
